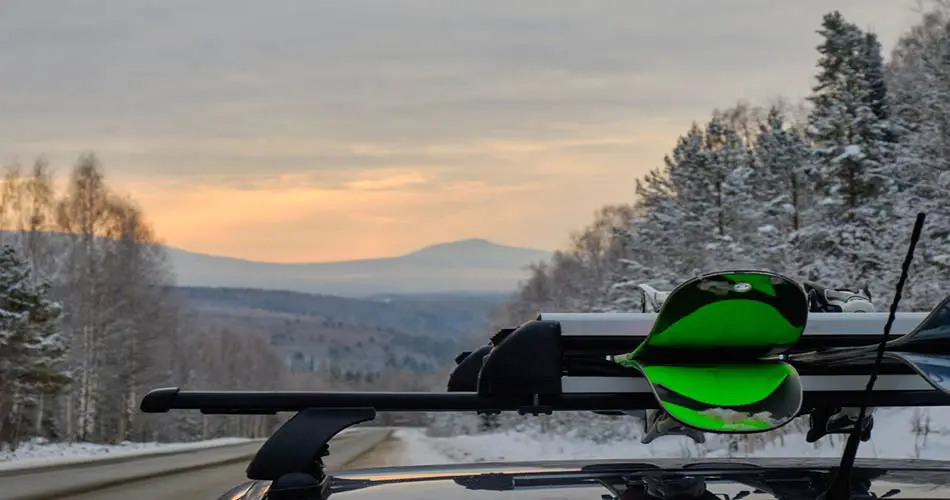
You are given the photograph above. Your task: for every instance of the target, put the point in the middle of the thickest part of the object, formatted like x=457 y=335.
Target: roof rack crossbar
x=243 y=402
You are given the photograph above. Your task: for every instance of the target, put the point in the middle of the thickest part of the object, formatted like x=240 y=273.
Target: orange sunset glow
x=390 y=211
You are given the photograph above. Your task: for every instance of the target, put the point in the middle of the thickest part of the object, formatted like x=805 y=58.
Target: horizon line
x=160 y=242
x=380 y=257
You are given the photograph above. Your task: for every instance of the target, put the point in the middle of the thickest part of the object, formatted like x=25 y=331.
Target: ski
x=738 y=318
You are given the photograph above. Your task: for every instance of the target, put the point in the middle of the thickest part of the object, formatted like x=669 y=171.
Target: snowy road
x=200 y=484
x=44 y=482
x=194 y=480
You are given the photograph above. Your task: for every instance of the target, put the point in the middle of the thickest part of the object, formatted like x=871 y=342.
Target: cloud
x=398 y=69
x=386 y=181
x=231 y=118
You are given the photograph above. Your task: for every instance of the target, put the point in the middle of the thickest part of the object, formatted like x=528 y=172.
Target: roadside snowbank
x=897 y=434
x=39 y=452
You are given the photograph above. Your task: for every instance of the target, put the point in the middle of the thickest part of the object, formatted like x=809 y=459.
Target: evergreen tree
x=727 y=201
x=832 y=201
x=852 y=164
x=32 y=349
x=877 y=94
x=672 y=230
x=622 y=293
x=780 y=189
x=918 y=77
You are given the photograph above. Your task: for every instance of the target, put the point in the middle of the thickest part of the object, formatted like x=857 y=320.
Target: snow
x=943 y=179
x=38 y=452
x=852 y=152
x=894 y=438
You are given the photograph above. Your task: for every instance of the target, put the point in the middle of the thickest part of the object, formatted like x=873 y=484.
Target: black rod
x=244 y=402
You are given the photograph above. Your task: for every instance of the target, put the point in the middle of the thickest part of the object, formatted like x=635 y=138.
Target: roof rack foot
x=297 y=447
x=298 y=486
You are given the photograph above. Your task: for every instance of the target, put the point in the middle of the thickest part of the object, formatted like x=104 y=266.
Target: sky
x=315 y=130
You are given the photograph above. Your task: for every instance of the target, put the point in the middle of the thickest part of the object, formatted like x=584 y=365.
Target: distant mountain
x=467 y=266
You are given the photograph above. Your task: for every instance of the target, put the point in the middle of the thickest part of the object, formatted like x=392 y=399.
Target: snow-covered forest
x=88 y=324
x=826 y=189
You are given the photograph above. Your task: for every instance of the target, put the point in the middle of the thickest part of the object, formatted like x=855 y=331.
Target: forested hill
x=440 y=315
x=417 y=333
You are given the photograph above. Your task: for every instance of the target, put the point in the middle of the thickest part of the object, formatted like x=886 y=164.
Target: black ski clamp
x=824 y=421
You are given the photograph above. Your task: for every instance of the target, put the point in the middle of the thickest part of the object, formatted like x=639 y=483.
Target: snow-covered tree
x=848 y=240
x=831 y=200
x=728 y=206
x=918 y=77
x=672 y=199
x=697 y=206
x=602 y=249
x=32 y=346
x=91 y=250
x=781 y=190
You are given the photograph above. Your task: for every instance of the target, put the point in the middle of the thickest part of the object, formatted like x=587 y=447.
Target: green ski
x=704 y=355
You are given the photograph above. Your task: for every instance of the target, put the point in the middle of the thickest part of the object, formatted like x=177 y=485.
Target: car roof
x=588 y=479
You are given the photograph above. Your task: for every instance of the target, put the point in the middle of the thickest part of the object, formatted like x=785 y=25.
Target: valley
x=415 y=333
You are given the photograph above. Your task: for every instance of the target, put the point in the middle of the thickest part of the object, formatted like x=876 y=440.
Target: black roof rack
x=555 y=363
x=261 y=402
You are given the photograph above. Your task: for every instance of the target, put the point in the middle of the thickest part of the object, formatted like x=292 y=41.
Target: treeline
x=825 y=190
x=88 y=323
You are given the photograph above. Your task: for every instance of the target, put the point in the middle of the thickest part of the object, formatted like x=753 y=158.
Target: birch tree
x=83 y=213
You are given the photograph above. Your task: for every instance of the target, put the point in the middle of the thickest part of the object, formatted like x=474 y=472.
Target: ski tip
x=934 y=368
x=931 y=336
x=729 y=399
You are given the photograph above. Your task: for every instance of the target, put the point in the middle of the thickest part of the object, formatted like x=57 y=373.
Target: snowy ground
x=39 y=452
x=894 y=437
